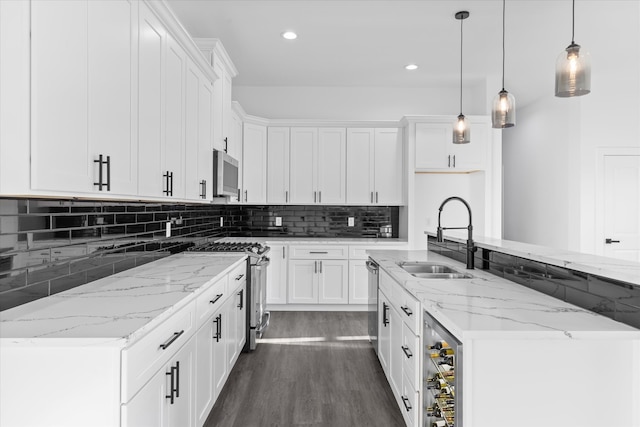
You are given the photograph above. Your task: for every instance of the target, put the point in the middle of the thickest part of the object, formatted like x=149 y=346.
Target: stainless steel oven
x=257 y=314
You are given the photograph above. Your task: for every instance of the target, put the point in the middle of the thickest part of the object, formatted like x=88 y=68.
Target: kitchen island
x=529 y=359
x=101 y=354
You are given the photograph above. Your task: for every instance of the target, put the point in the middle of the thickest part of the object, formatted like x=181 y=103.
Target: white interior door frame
x=602 y=152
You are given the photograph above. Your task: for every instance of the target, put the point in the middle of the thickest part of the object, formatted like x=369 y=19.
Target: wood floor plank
x=312 y=369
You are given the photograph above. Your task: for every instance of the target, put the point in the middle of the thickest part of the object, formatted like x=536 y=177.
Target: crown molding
x=216 y=46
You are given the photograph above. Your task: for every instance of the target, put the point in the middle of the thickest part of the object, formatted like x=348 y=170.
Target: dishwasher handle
x=372 y=267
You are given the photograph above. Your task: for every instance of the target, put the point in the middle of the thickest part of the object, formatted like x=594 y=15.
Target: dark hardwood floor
x=312 y=369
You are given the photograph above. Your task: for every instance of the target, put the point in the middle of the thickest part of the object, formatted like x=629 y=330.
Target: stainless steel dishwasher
x=373 y=268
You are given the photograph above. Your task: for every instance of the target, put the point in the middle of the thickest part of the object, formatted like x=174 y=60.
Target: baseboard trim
x=317 y=307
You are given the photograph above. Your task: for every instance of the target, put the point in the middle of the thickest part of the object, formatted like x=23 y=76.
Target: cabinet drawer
x=237 y=276
x=386 y=283
x=143 y=359
x=360 y=251
x=409 y=399
x=407 y=306
x=210 y=300
x=410 y=355
x=318 y=252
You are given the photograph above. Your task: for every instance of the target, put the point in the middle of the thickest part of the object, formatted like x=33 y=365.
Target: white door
x=388 y=167
x=333 y=283
x=277 y=275
x=302 y=161
x=433 y=145
x=384 y=332
x=278 y=165
x=241 y=312
x=204 y=386
x=331 y=164
x=193 y=188
x=218 y=101
x=254 y=164
x=230 y=308
x=173 y=151
x=473 y=156
x=112 y=50
x=59 y=151
x=360 y=166
x=150 y=95
x=181 y=411
x=219 y=350
x=303 y=281
x=622 y=207
x=358 y=282
x=148 y=408
x=396 y=354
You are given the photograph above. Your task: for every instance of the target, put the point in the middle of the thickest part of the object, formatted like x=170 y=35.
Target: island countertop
x=487 y=306
x=612 y=268
x=117 y=309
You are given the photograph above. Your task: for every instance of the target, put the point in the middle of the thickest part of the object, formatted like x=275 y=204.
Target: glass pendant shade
x=461 y=130
x=503 y=113
x=573 y=72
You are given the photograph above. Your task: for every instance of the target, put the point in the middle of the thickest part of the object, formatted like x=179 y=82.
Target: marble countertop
x=322 y=240
x=488 y=306
x=613 y=268
x=117 y=309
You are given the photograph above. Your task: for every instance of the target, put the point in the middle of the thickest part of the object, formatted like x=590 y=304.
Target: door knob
x=609 y=241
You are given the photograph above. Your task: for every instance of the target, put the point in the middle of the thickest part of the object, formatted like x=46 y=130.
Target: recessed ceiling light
x=411 y=67
x=289 y=35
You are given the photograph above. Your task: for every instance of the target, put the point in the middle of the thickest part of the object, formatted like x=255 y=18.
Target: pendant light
x=503 y=113
x=461 y=129
x=573 y=67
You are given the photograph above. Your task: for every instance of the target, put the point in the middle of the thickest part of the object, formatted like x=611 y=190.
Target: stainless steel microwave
x=225 y=174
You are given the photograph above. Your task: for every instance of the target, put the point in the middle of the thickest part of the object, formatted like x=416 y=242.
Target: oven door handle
x=264 y=261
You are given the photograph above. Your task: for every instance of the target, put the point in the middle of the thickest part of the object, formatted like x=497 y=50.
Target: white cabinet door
x=396 y=353
x=173 y=151
x=204 y=385
x=234 y=145
x=112 y=58
x=277 y=275
x=152 y=37
x=389 y=174
x=433 y=145
x=219 y=350
x=360 y=166
x=60 y=158
x=303 y=281
x=384 y=332
x=241 y=324
x=473 y=156
x=358 y=282
x=302 y=160
x=331 y=165
x=148 y=407
x=333 y=282
x=181 y=411
x=226 y=108
x=231 y=328
x=254 y=164
x=278 y=165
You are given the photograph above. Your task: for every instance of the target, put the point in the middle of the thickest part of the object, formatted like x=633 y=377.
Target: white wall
x=550 y=156
x=357 y=103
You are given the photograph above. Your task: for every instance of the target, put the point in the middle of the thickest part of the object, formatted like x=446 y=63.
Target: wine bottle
x=434 y=411
x=439 y=423
x=446 y=352
x=438 y=345
x=438 y=384
x=445 y=361
x=446 y=368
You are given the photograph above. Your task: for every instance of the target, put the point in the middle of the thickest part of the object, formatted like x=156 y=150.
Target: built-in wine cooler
x=442 y=385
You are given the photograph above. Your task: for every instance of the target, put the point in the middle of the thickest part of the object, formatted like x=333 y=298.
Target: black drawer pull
x=170 y=341
x=405 y=400
x=318 y=252
x=385 y=319
x=406 y=310
x=215 y=300
x=240 y=277
x=407 y=352
x=241 y=294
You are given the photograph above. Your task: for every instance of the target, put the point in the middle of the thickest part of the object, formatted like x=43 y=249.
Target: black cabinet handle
x=218 y=322
x=171 y=178
x=101 y=182
x=170 y=341
x=319 y=196
x=171 y=387
x=215 y=300
x=239 y=277
x=226 y=143
x=372 y=197
x=286 y=196
x=405 y=400
x=166 y=191
x=203 y=189
x=239 y=197
x=376 y=197
x=385 y=319
x=449 y=165
x=407 y=352
x=241 y=294
x=407 y=310
x=246 y=192
x=177 y=379
x=609 y=241
x=108 y=173
x=454 y=160
x=318 y=252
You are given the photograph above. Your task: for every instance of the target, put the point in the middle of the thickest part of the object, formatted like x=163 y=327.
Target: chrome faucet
x=470 y=246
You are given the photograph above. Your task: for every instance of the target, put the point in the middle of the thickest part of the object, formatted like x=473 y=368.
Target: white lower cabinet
x=396 y=363
x=318 y=281
x=384 y=332
x=409 y=398
x=168 y=398
x=358 y=282
x=277 y=274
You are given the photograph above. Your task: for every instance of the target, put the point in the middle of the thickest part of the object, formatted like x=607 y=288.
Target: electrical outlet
x=168 y=229
x=278 y=221
x=352 y=221
x=221 y=221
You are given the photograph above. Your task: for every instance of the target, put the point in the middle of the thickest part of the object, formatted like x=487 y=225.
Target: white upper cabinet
x=254 y=164
x=173 y=142
x=436 y=151
x=278 y=165
x=318 y=165
x=374 y=166
x=82 y=80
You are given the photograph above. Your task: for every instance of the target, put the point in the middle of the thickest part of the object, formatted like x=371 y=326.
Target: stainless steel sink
x=432 y=270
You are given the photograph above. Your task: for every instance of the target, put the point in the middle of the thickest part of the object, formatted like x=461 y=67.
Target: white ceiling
x=367 y=43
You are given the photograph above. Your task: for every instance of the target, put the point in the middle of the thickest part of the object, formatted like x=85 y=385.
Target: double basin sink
x=432 y=270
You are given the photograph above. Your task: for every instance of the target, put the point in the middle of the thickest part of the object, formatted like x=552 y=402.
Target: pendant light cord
x=461 y=66
x=573 y=21
x=503 y=50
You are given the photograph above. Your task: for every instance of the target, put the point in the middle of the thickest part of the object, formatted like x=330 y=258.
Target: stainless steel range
x=257 y=314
